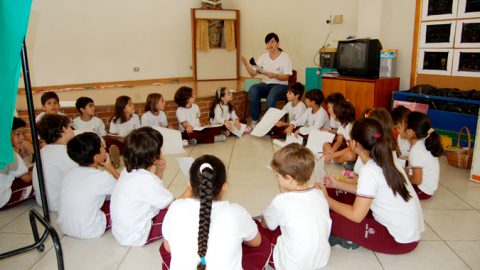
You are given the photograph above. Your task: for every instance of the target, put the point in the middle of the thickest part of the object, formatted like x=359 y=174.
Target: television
x=359 y=57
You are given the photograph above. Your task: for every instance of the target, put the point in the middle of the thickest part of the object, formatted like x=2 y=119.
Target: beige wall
x=98 y=41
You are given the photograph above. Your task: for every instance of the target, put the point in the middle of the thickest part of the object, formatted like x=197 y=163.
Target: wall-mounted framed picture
x=435 y=61
x=467 y=34
x=439 y=9
x=466 y=62
x=437 y=34
x=468 y=8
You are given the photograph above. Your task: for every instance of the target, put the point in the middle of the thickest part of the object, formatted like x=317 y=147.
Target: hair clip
x=205 y=165
x=430 y=131
x=377 y=136
x=202 y=261
x=219 y=92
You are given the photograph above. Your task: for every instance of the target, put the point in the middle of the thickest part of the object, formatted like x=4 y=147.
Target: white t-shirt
x=334 y=123
x=191 y=115
x=55 y=163
x=222 y=114
x=309 y=120
x=403 y=220
x=12 y=171
x=82 y=195
x=404 y=146
x=420 y=157
x=123 y=129
x=94 y=125
x=151 y=120
x=230 y=225
x=281 y=65
x=137 y=197
x=304 y=220
x=345 y=131
x=294 y=113
x=42 y=114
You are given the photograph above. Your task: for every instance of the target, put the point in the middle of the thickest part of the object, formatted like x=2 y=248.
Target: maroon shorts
x=206 y=135
x=21 y=192
x=421 y=195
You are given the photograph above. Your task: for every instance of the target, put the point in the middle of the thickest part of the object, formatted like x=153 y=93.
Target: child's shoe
x=220 y=138
x=248 y=130
x=253 y=124
x=185 y=143
x=347 y=244
x=192 y=142
x=349 y=165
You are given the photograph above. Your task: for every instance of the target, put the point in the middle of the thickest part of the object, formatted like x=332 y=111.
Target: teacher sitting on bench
x=276 y=67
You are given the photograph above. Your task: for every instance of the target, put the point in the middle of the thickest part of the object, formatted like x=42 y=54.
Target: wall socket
x=136 y=69
x=335 y=19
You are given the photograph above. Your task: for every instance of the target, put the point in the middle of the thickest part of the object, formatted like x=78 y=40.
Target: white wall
x=392 y=22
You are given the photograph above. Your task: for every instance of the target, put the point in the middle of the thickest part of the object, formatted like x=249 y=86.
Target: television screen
x=352 y=55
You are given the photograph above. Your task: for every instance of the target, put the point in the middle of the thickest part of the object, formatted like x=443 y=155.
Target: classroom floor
x=451 y=239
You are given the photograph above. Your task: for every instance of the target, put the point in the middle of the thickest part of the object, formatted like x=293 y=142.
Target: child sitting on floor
x=55 y=130
x=315 y=117
x=84 y=213
x=154 y=115
x=15 y=179
x=294 y=108
x=139 y=199
x=400 y=117
x=297 y=222
x=87 y=121
x=331 y=100
x=50 y=105
x=203 y=231
x=223 y=113
x=188 y=116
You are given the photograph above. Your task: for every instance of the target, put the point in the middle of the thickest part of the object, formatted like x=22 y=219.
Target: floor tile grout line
x=16 y=216
x=45 y=252
x=460 y=198
x=124 y=257
x=378 y=259
x=456 y=254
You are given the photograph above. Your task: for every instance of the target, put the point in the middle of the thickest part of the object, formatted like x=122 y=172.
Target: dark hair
x=182 y=95
x=221 y=91
x=334 y=98
x=49 y=95
x=18 y=123
x=82 y=102
x=421 y=124
x=142 y=147
x=344 y=112
x=120 y=104
x=297 y=89
x=206 y=186
x=83 y=148
x=50 y=127
x=315 y=95
x=269 y=37
x=369 y=134
x=294 y=160
x=151 y=103
x=400 y=114
x=385 y=119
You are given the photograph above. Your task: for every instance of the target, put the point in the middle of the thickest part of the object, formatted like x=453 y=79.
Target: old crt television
x=359 y=57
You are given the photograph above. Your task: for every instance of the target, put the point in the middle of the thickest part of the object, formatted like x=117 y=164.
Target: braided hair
x=207 y=176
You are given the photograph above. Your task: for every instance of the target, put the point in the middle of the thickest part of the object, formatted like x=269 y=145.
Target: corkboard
x=442 y=81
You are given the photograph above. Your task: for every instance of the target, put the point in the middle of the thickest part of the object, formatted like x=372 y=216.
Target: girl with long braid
x=203 y=232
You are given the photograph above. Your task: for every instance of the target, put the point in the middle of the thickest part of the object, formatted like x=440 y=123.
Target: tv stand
x=364 y=93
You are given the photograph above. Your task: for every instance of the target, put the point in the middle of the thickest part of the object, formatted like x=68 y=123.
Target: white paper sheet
x=290 y=139
x=185 y=163
x=270 y=118
x=239 y=132
x=172 y=141
x=209 y=126
x=317 y=138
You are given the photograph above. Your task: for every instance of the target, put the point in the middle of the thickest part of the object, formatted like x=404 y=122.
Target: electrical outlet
x=136 y=69
x=337 y=19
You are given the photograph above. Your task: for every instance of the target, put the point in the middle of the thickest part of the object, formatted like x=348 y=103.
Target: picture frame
x=437 y=34
x=466 y=62
x=439 y=9
x=467 y=34
x=468 y=9
x=435 y=61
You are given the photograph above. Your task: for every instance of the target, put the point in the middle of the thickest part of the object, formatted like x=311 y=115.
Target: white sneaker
x=185 y=143
x=220 y=138
x=253 y=124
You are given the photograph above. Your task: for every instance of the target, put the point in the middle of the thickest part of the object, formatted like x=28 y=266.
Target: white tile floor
x=451 y=239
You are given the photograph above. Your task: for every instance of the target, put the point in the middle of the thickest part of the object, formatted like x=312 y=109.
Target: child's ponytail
x=422 y=127
x=219 y=93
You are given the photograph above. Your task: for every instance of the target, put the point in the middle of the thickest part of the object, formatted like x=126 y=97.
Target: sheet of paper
x=290 y=139
x=239 y=132
x=317 y=138
x=172 y=141
x=270 y=118
x=185 y=163
x=209 y=126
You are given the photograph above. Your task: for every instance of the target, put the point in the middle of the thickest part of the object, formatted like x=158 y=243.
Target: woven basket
x=459 y=156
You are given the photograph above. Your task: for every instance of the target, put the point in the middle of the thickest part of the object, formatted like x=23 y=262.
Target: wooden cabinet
x=364 y=93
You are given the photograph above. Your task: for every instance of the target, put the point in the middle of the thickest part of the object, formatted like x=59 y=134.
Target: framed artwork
x=435 y=61
x=437 y=34
x=466 y=62
x=468 y=8
x=468 y=34
x=439 y=9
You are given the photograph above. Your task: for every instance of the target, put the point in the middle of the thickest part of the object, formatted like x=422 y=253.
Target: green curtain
x=14 y=16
